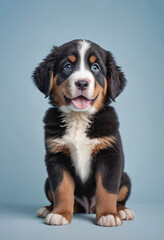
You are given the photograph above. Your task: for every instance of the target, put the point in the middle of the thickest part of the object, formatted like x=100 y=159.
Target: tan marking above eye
x=92 y=58
x=72 y=58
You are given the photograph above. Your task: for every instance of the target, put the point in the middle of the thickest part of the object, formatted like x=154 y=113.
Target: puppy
x=84 y=155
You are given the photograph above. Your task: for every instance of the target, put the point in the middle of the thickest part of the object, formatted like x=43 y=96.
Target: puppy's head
x=79 y=76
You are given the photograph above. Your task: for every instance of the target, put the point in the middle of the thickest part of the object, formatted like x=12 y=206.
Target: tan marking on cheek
x=105 y=87
x=105 y=142
x=92 y=59
x=122 y=193
x=63 y=197
x=101 y=93
x=105 y=202
x=72 y=58
x=58 y=91
x=57 y=146
x=100 y=99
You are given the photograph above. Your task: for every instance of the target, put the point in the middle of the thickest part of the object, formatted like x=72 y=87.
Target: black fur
x=46 y=189
x=56 y=163
x=105 y=123
x=54 y=126
x=42 y=73
x=115 y=76
x=110 y=163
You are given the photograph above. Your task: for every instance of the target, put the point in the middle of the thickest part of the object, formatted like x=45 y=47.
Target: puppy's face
x=79 y=82
x=78 y=75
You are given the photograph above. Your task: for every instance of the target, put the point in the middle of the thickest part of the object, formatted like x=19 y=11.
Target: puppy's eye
x=95 y=67
x=68 y=67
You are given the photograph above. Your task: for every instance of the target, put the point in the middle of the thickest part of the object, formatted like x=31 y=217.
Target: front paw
x=125 y=213
x=57 y=219
x=44 y=211
x=109 y=220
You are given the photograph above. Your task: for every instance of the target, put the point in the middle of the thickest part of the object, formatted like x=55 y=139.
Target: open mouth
x=80 y=102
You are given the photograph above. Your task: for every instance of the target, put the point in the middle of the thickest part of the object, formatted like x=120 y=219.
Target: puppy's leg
x=123 y=195
x=62 y=189
x=63 y=198
x=106 y=214
x=109 y=167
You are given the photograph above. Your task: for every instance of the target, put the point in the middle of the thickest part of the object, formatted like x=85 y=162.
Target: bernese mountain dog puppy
x=84 y=155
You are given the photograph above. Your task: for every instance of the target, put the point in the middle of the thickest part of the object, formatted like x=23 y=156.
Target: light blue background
x=133 y=31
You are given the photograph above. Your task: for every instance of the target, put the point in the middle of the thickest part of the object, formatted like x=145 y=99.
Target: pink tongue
x=81 y=102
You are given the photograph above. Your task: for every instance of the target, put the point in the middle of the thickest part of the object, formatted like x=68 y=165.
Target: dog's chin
x=76 y=109
x=71 y=108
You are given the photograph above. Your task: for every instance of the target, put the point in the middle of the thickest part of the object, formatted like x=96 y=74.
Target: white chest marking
x=80 y=146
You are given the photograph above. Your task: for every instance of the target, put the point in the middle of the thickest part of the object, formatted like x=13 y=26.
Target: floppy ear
x=43 y=74
x=115 y=77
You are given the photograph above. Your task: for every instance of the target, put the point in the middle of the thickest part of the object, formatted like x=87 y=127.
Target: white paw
x=42 y=212
x=55 y=219
x=127 y=214
x=109 y=221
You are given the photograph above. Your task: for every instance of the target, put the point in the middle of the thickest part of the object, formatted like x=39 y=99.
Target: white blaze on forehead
x=83 y=47
x=82 y=73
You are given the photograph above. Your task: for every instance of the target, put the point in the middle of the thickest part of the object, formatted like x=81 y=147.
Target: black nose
x=81 y=85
